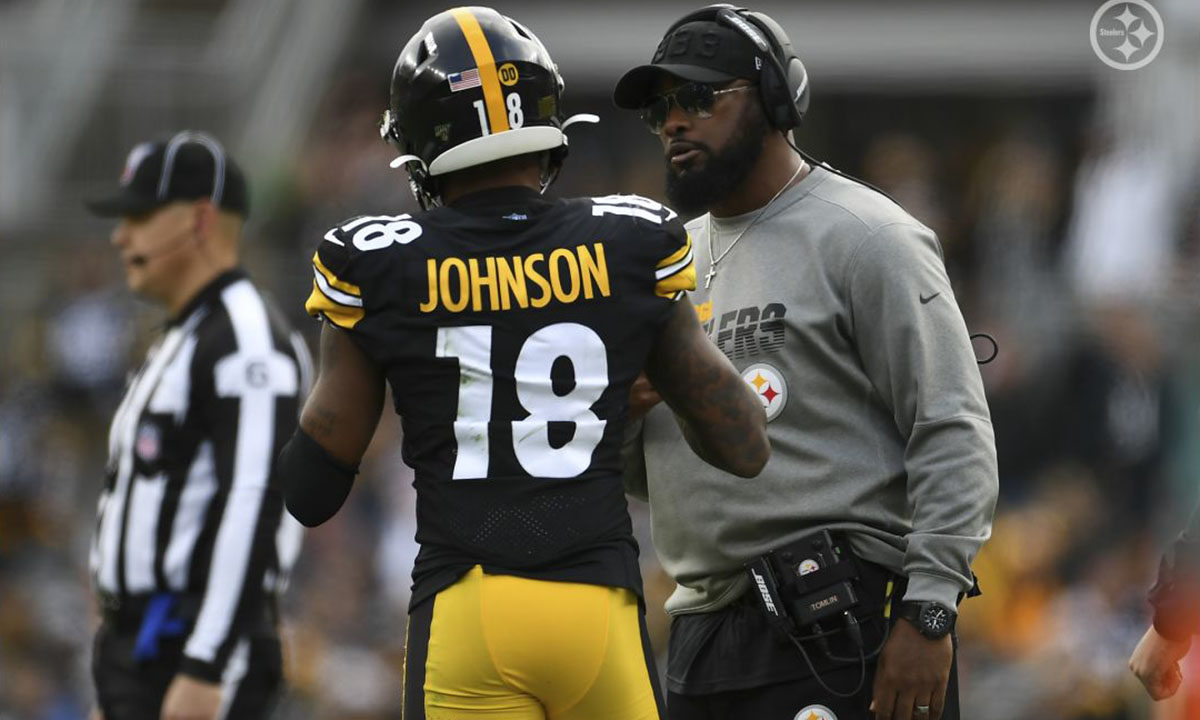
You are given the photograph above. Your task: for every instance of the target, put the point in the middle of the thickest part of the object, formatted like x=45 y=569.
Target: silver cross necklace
x=714 y=259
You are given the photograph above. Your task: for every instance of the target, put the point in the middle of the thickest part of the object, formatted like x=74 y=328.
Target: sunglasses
x=693 y=98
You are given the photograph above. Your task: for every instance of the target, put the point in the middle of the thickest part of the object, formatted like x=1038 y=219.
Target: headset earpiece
x=797 y=87
x=772 y=86
x=788 y=96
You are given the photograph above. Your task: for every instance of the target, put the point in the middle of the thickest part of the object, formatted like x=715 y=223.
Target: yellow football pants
x=509 y=648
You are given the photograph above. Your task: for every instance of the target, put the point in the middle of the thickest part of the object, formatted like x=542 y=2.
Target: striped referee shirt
x=191 y=504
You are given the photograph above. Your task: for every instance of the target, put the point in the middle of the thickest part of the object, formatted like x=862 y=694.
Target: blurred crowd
x=1077 y=255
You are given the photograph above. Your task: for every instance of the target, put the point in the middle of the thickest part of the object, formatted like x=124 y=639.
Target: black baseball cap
x=187 y=166
x=702 y=51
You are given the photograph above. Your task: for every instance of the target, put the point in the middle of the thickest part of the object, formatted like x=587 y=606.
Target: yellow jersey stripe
x=320 y=305
x=677 y=255
x=683 y=279
x=492 y=95
x=333 y=279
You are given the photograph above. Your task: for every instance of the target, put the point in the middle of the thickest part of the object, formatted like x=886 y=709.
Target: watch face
x=935 y=620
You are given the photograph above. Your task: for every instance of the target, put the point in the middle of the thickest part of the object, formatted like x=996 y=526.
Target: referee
x=192 y=544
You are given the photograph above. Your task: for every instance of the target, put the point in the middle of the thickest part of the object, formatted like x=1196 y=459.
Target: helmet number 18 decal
x=516 y=116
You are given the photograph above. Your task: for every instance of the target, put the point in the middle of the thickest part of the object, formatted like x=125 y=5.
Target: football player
x=510 y=328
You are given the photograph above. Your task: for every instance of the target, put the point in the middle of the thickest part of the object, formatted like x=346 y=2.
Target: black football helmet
x=471 y=87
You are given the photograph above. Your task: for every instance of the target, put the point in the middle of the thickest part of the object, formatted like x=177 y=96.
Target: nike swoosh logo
x=925 y=300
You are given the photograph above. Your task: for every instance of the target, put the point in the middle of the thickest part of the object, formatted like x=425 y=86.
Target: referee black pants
x=128 y=689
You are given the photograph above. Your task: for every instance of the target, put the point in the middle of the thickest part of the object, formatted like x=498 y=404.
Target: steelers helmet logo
x=768 y=384
x=815 y=712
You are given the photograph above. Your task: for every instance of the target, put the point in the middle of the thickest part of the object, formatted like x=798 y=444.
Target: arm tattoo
x=720 y=416
x=319 y=422
x=344 y=406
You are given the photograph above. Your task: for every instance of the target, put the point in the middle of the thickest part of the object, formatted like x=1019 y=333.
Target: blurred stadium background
x=1066 y=195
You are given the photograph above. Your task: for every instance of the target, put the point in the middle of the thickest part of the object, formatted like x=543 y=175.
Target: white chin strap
x=406 y=159
x=581 y=117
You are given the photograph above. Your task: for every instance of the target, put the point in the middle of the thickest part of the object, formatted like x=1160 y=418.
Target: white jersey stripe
x=333 y=293
x=235 y=672
x=252 y=466
x=145 y=500
x=114 y=429
x=304 y=360
x=124 y=431
x=673 y=268
x=598 y=210
x=198 y=491
x=288 y=540
x=371 y=218
x=173 y=388
x=637 y=200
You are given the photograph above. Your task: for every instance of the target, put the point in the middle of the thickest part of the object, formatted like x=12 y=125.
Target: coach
x=192 y=542
x=835 y=304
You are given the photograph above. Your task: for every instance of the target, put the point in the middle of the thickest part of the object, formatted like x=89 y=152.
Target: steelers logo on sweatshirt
x=816 y=712
x=768 y=384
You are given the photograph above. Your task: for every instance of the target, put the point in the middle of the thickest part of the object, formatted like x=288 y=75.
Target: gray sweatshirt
x=836 y=307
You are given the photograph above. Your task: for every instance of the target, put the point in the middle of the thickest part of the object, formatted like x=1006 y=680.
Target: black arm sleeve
x=315 y=484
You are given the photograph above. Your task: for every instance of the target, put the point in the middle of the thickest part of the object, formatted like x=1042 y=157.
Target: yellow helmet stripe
x=492 y=95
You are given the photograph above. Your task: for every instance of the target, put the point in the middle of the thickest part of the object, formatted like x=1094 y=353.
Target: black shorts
x=128 y=689
x=731 y=664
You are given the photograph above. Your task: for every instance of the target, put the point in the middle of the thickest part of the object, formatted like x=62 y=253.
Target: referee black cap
x=186 y=166
x=701 y=51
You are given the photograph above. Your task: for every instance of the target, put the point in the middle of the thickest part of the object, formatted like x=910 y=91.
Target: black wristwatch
x=932 y=619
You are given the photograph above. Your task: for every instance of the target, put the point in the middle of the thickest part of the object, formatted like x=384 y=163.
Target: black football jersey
x=510 y=328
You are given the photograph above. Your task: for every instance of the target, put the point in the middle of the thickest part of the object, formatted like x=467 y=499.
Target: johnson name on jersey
x=491 y=282
x=510 y=328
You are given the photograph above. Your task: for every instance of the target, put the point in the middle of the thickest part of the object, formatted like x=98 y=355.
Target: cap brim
x=636 y=86
x=122 y=204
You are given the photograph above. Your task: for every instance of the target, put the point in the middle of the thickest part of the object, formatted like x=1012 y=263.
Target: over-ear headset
x=783 y=81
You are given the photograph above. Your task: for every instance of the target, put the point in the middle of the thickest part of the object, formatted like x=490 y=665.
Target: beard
x=696 y=189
